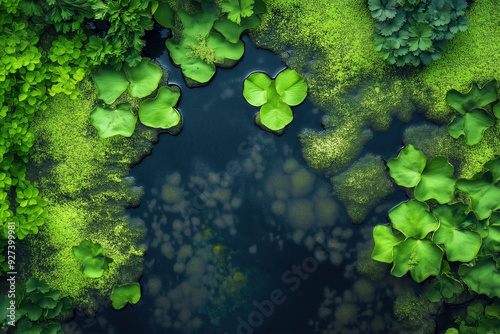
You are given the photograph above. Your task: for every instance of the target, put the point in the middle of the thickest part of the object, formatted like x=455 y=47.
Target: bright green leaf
x=407 y=168
x=255 y=88
x=110 y=83
x=421 y=257
x=475 y=98
x=164 y=15
x=291 y=87
x=160 y=112
x=482 y=276
x=413 y=219
x=114 y=122
x=276 y=116
x=385 y=240
x=123 y=294
x=472 y=125
x=144 y=78
x=483 y=192
x=437 y=181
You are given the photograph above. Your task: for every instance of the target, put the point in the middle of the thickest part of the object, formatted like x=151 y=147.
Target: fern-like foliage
x=412 y=32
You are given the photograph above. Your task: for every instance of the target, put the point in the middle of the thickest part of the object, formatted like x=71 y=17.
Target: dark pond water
x=242 y=237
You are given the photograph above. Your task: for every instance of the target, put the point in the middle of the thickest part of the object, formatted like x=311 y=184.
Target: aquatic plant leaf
x=460 y=244
x=475 y=98
x=385 y=240
x=482 y=276
x=237 y=9
x=446 y=285
x=491 y=242
x=94 y=262
x=110 y=83
x=114 y=122
x=472 y=125
x=160 y=112
x=483 y=192
x=225 y=49
x=413 y=219
x=32 y=311
x=198 y=70
x=123 y=294
x=255 y=88
x=407 y=168
x=276 y=116
x=437 y=181
x=199 y=24
x=421 y=257
x=144 y=78
x=35 y=284
x=164 y=15
x=383 y=9
x=231 y=30
x=496 y=110
x=291 y=87
x=494 y=167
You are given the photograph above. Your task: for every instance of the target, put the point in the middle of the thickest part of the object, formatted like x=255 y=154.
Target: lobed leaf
x=385 y=239
x=472 y=125
x=413 y=219
x=114 y=122
x=421 y=257
x=123 y=294
x=160 y=112
x=475 y=98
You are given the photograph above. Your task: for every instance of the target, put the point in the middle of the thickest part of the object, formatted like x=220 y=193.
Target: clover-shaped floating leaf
x=164 y=15
x=475 y=98
x=484 y=193
x=421 y=257
x=110 y=83
x=385 y=240
x=494 y=167
x=291 y=87
x=432 y=181
x=94 y=262
x=260 y=90
x=192 y=67
x=482 y=276
x=160 y=112
x=460 y=243
x=123 y=294
x=472 y=125
x=413 y=219
x=144 y=78
x=114 y=122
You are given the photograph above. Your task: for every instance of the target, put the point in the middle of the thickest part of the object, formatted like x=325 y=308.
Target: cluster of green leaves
x=37 y=309
x=415 y=31
x=209 y=37
x=458 y=218
x=126 y=22
x=275 y=96
x=479 y=320
x=123 y=294
x=476 y=111
x=141 y=81
x=94 y=262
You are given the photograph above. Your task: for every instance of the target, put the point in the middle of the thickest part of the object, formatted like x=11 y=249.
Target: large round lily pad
x=114 y=122
x=460 y=243
x=144 y=78
x=110 y=83
x=413 y=219
x=421 y=257
x=291 y=87
x=160 y=112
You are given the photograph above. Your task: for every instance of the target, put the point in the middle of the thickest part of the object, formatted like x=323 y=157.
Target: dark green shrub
x=415 y=31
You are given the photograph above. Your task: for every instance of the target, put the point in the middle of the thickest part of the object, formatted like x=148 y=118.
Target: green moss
x=414 y=313
x=468 y=160
x=362 y=186
x=202 y=51
x=333 y=150
x=368 y=267
x=84 y=179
